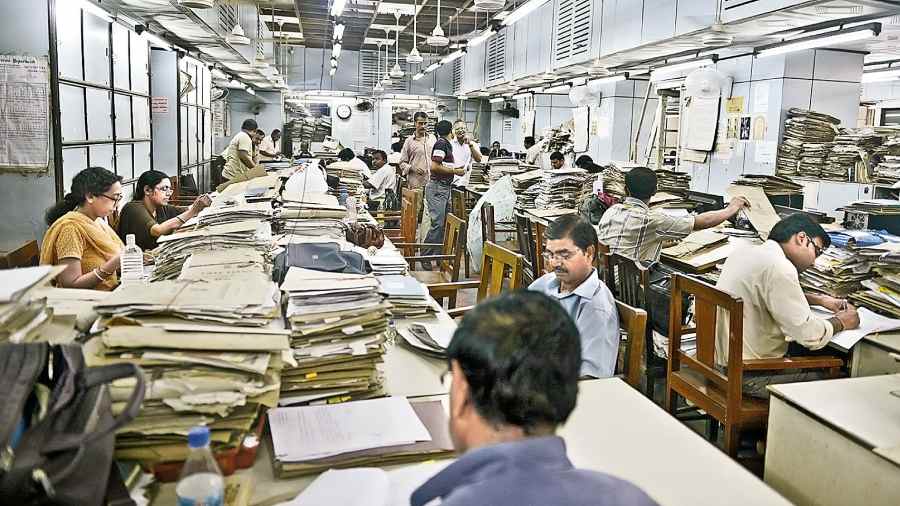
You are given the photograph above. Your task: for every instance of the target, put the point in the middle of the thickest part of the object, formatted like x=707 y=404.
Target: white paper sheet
x=15 y=281
x=701 y=118
x=869 y=323
x=364 y=486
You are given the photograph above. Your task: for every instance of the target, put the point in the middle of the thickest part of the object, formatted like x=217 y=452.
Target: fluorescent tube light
x=431 y=68
x=250 y=91
x=559 y=88
x=610 y=79
x=522 y=11
x=336 y=51
x=95 y=9
x=497 y=100
x=820 y=40
x=332 y=71
x=339 y=31
x=418 y=76
x=884 y=75
x=522 y=95
x=337 y=8
x=481 y=37
x=536 y=90
x=452 y=56
x=661 y=73
x=127 y=19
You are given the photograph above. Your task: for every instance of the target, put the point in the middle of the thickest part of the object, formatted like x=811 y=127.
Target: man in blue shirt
x=514 y=366
x=573 y=281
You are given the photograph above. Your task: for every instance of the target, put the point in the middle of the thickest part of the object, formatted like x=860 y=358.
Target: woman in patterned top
x=79 y=237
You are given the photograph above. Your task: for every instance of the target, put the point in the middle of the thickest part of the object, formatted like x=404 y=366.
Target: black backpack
x=58 y=445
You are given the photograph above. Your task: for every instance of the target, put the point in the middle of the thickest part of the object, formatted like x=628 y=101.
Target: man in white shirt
x=464 y=151
x=239 y=153
x=532 y=151
x=384 y=178
x=347 y=155
x=268 y=149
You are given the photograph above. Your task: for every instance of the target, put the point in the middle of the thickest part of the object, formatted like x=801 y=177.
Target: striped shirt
x=633 y=230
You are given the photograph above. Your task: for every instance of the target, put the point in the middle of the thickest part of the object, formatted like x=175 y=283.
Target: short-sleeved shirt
x=361 y=166
x=136 y=219
x=70 y=243
x=633 y=230
x=592 y=307
x=267 y=145
x=382 y=179
x=234 y=167
x=443 y=153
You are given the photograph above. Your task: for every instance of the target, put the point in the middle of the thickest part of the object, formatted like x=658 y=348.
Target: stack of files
x=838 y=272
x=881 y=293
x=174 y=249
x=24 y=317
x=886 y=157
x=788 y=161
x=220 y=376
x=477 y=178
x=812 y=158
x=226 y=211
x=614 y=181
x=260 y=189
x=522 y=183
x=499 y=167
x=882 y=207
x=671 y=181
x=312 y=214
x=700 y=251
x=72 y=308
x=244 y=299
x=388 y=264
x=888 y=170
x=561 y=189
x=431 y=339
x=408 y=297
x=350 y=180
x=338 y=326
x=807 y=138
x=222 y=265
x=851 y=152
x=376 y=432
x=771 y=185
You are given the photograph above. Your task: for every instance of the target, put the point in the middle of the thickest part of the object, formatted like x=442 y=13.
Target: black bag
x=59 y=443
x=659 y=298
x=592 y=209
x=391 y=202
x=318 y=256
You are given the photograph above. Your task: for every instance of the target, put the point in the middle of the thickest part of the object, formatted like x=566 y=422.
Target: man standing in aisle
x=513 y=380
x=777 y=317
x=557 y=160
x=573 y=281
x=633 y=230
x=437 y=192
x=268 y=148
x=415 y=157
x=532 y=151
x=239 y=153
x=464 y=150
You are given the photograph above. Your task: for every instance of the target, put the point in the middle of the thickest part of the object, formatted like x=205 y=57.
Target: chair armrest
x=776 y=364
x=460 y=311
x=438 y=290
x=429 y=257
x=417 y=244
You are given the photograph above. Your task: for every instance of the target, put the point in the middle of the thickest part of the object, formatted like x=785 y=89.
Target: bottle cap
x=198 y=437
x=129 y=240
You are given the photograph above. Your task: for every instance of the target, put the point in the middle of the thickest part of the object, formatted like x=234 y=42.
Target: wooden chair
x=448 y=261
x=634 y=322
x=497 y=264
x=458 y=207
x=601 y=263
x=490 y=229
x=409 y=221
x=525 y=237
x=696 y=378
x=26 y=255
x=540 y=232
x=184 y=191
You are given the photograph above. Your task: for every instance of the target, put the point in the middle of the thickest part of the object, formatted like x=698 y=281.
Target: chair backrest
x=454 y=244
x=496 y=261
x=634 y=322
x=601 y=263
x=458 y=203
x=26 y=255
x=707 y=301
x=628 y=280
x=540 y=233
x=488 y=225
x=525 y=236
x=409 y=217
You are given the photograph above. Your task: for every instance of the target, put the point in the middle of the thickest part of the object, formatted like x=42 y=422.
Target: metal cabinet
x=876 y=354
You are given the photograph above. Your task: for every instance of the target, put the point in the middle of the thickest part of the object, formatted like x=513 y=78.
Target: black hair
x=576 y=228
x=641 y=183
x=419 y=115
x=796 y=223
x=495 y=142
x=583 y=161
x=556 y=155
x=149 y=178
x=529 y=141
x=485 y=151
x=276 y=131
x=261 y=131
x=397 y=147
x=593 y=168
x=249 y=124
x=346 y=154
x=504 y=152
x=90 y=181
x=443 y=128
x=520 y=354
x=380 y=153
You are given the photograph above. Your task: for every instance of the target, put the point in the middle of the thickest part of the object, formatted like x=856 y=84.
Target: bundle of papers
x=671 y=181
x=888 y=170
x=886 y=157
x=614 y=181
x=221 y=265
x=699 y=252
x=338 y=324
x=869 y=323
x=771 y=185
x=851 y=153
x=228 y=211
x=311 y=439
x=427 y=338
x=244 y=299
x=23 y=317
x=499 y=167
x=807 y=142
x=311 y=214
x=561 y=189
x=408 y=297
x=350 y=179
x=882 y=207
x=476 y=175
x=761 y=214
x=838 y=272
x=73 y=309
x=522 y=184
x=388 y=264
x=174 y=249
x=220 y=376
x=260 y=189
x=881 y=293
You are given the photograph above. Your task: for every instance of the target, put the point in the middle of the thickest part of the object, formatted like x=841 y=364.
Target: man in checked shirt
x=634 y=230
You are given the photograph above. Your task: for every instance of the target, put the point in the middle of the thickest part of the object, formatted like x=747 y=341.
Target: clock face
x=343 y=111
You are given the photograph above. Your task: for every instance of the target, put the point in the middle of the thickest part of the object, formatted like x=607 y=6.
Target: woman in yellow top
x=78 y=236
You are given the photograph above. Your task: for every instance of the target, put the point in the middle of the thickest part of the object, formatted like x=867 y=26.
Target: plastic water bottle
x=201 y=482
x=351 y=209
x=342 y=197
x=132 y=261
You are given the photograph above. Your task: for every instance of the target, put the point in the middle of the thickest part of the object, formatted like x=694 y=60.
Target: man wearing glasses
x=573 y=281
x=777 y=318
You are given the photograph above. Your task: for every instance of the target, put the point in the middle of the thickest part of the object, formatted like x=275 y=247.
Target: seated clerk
x=150 y=216
x=777 y=316
x=557 y=160
x=347 y=155
x=79 y=237
x=633 y=230
x=513 y=380
x=574 y=283
x=384 y=178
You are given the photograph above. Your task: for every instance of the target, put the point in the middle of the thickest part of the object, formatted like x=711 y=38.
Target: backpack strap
x=21 y=366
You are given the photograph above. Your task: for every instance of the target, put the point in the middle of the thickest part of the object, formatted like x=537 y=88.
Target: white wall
x=363 y=129
x=266 y=107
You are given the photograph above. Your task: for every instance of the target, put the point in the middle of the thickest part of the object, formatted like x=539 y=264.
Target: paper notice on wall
x=701 y=118
x=761 y=97
x=599 y=124
x=734 y=105
x=25 y=113
x=528 y=123
x=765 y=152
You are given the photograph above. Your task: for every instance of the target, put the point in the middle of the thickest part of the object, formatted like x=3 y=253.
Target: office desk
x=616 y=430
x=876 y=354
x=836 y=442
x=411 y=374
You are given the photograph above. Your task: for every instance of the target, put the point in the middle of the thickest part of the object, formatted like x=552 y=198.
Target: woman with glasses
x=149 y=214
x=79 y=237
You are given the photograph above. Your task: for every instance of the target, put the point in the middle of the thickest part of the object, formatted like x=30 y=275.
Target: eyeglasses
x=815 y=246
x=165 y=189
x=115 y=198
x=563 y=255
